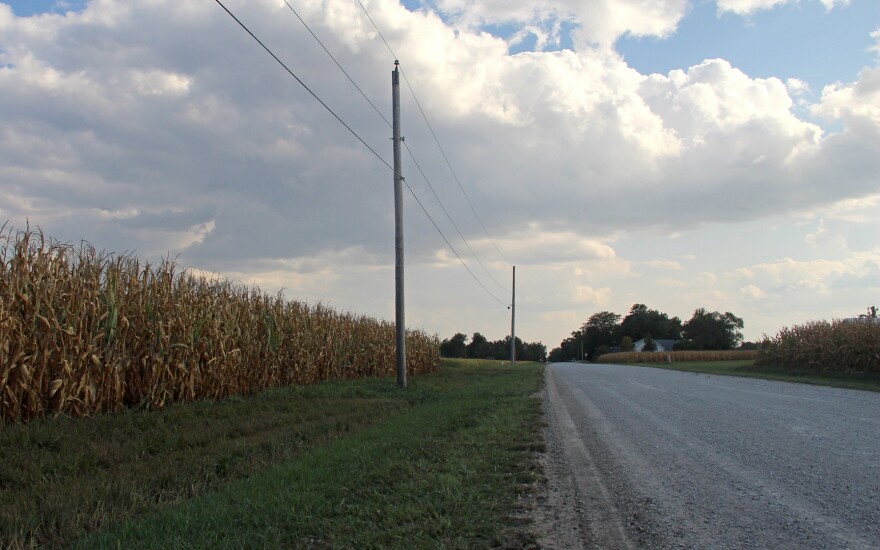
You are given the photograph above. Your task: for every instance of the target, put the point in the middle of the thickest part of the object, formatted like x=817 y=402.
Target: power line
x=303 y=84
x=353 y=83
x=380 y=32
x=412 y=156
x=347 y=127
x=436 y=140
x=451 y=247
x=449 y=164
x=431 y=187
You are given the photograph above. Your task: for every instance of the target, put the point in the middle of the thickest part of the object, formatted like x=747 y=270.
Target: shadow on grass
x=344 y=464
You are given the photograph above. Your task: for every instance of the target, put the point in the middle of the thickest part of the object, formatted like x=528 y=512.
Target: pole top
x=396 y=63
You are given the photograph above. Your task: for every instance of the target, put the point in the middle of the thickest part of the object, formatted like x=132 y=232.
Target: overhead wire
x=431 y=187
x=303 y=84
x=434 y=134
x=500 y=301
x=350 y=79
x=412 y=156
x=347 y=127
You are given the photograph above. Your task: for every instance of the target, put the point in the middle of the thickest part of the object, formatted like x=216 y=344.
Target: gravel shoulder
x=645 y=458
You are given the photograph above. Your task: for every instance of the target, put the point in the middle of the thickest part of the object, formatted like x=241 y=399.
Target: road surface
x=649 y=458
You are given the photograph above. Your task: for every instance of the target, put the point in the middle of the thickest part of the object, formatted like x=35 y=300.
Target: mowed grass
x=443 y=464
x=751 y=370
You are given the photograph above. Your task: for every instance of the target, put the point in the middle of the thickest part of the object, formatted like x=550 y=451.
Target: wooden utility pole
x=398 y=230
x=513 y=321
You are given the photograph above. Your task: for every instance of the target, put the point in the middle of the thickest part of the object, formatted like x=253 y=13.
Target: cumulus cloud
x=597 y=22
x=161 y=126
x=788 y=274
x=853 y=103
x=746 y=7
x=593 y=296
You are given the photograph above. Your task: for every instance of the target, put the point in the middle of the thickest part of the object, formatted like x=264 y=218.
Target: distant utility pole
x=398 y=230
x=513 y=321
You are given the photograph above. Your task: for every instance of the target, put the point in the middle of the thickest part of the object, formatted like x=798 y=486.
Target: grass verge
x=345 y=464
x=750 y=370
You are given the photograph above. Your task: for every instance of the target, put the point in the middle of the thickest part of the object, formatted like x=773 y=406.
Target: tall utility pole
x=398 y=230
x=513 y=321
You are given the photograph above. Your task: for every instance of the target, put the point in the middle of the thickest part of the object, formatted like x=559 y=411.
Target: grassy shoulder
x=347 y=464
x=749 y=369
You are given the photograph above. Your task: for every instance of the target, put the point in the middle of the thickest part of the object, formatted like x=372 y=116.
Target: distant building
x=862 y=319
x=662 y=345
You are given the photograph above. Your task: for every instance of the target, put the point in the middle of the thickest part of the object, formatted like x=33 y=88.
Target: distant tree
x=600 y=351
x=599 y=330
x=479 y=348
x=683 y=345
x=535 y=351
x=502 y=348
x=482 y=348
x=626 y=344
x=569 y=349
x=455 y=346
x=650 y=344
x=713 y=330
x=556 y=355
x=642 y=321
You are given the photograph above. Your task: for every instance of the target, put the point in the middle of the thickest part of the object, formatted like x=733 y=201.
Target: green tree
x=650 y=344
x=599 y=330
x=535 y=351
x=503 y=347
x=455 y=346
x=713 y=330
x=479 y=348
x=626 y=344
x=641 y=321
x=600 y=351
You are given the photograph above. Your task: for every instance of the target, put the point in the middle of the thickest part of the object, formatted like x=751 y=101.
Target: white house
x=662 y=345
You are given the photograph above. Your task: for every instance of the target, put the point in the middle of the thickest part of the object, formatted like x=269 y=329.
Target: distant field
x=751 y=370
x=345 y=464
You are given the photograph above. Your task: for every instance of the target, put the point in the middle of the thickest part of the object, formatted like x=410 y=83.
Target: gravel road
x=650 y=458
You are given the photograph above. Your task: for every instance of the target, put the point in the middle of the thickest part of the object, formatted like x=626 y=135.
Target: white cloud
x=161 y=126
x=598 y=22
x=852 y=102
x=663 y=264
x=751 y=291
x=743 y=7
x=587 y=295
x=746 y=7
x=788 y=275
x=797 y=87
x=542 y=246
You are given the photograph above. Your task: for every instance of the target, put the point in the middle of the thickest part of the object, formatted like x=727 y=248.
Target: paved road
x=650 y=458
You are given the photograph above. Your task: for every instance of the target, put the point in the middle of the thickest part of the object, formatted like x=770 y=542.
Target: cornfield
x=85 y=332
x=676 y=356
x=825 y=347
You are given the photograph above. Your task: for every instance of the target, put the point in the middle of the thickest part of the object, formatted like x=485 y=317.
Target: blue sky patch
x=26 y=8
x=801 y=40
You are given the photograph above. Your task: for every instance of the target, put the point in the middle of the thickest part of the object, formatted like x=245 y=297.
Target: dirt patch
x=574 y=509
x=556 y=520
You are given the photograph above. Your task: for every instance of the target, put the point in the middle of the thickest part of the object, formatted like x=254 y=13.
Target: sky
x=683 y=154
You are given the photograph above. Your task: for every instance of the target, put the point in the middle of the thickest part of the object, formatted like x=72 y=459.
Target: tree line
x=606 y=331
x=481 y=348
